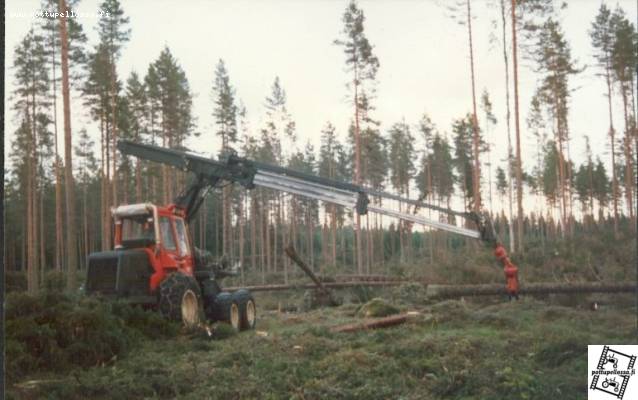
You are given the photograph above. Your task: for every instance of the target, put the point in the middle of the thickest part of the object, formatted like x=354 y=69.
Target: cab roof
x=130 y=210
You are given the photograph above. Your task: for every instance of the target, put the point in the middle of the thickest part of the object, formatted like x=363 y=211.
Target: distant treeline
x=43 y=232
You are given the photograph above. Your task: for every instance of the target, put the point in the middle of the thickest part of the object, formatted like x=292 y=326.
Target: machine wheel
x=180 y=299
x=235 y=318
x=226 y=309
x=247 y=309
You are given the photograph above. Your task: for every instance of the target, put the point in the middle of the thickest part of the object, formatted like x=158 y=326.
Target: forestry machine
x=155 y=264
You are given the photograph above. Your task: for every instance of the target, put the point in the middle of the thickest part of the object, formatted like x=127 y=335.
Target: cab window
x=167 y=234
x=138 y=227
x=181 y=237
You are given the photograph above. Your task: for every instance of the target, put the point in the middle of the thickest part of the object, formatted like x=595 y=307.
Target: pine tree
x=624 y=58
x=87 y=163
x=225 y=114
x=72 y=250
x=96 y=96
x=556 y=65
x=501 y=182
x=463 y=156
x=277 y=146
x=136 y=98
x=602 y=38
x=508 y=120
x=476 y=180
x=363 y=66
x=519 y=163
x=401 y=165
x=77 y=56
x=602 y=187
x=551 y=175
x=486 y=106
x=113 y=33
x=536 y=125
x=32 y=107
x=170 y=96
x=327 y=168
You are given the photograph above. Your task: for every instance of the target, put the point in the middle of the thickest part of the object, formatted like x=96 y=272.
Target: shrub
x=54 y=332
x=377 y=307
x=55 y=281
x=15 y=281
x=410 y=293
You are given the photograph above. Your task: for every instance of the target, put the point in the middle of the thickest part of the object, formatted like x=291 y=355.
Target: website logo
x=611 y=369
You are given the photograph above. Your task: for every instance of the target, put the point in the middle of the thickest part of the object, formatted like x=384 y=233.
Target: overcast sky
x=423 y=55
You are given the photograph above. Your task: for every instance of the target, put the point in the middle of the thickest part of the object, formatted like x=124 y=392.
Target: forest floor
x=487 y=349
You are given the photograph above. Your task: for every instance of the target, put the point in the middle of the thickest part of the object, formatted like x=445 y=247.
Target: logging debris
x=376 y=323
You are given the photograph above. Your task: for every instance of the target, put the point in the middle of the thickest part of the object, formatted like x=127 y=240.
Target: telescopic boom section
x=250 y=173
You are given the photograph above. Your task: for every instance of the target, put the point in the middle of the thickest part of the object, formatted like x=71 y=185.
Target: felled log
x=292 y=253
x=304 y=286
x=372 y=324
x=450 y=291
x=369 y=278
x=322 y=297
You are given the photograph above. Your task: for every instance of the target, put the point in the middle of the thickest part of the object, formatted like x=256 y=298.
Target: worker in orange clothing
x=511 y=274
x=511 y=271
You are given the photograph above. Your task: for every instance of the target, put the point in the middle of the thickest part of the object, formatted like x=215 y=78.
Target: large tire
x=180 y=299
x=247 y=309
x=226 y=309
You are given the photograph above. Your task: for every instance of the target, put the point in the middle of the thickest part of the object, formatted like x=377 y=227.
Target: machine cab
x=160 y=231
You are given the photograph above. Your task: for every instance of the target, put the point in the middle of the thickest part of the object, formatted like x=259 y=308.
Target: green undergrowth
x=53 y=332
x=529 y=349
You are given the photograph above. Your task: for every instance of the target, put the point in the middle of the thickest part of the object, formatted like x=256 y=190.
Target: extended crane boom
x=250 y=173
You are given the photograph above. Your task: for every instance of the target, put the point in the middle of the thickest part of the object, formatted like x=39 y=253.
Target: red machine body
x=169 y=249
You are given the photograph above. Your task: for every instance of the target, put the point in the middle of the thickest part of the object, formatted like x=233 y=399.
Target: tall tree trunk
x=253 y=233
x=509 y=135
x=138 y=181
x=103 y=206
x=262 y=240
x=369 y=239
x=561 y=171
x=268 y=242
x=324 y=244
x=612 y=139
x=226 y=223
x=311 y=240
x=629 y=172
x=489 y=162
x=59 y=237
x=357 y=169
x=276 y=228
x=343 y=246
x=475 y=128
x=68 y=154
x=34 y=266
x=32 y=262
x=568 y=185
x=240 y=221
x=114 y=127
x=333 y=229
x=85 y=222
x=43 y=262
x=519 y=167
x=107 y=185
x=400 y=232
